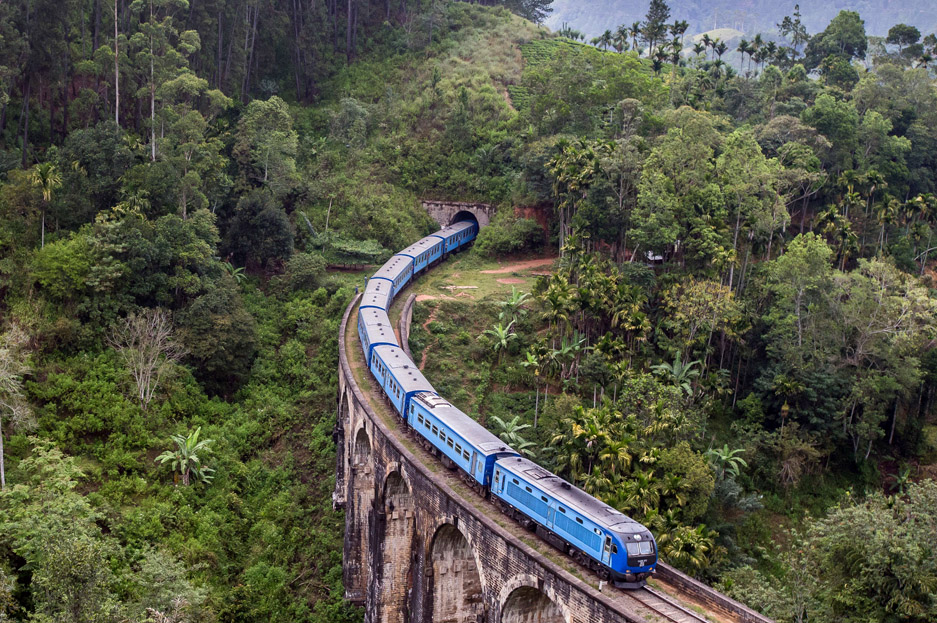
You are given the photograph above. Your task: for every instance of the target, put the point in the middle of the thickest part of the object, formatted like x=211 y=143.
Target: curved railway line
x=685 y=600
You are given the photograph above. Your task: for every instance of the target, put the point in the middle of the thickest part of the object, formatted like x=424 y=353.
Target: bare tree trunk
x=116 y=69
x=3 y=474
x=26 y=120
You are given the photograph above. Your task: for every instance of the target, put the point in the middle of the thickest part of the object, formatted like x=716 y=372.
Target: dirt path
x=425 y=325
x=519 y=266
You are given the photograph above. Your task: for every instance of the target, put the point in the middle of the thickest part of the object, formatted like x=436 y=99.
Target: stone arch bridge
x=417 y=550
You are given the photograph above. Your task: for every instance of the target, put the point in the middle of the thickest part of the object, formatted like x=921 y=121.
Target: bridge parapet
x=421 y=547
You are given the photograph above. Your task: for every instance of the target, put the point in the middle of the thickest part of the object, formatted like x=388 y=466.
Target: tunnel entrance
x=529 y=605
x=464 y=215
x=457 y=587
x=396 y=547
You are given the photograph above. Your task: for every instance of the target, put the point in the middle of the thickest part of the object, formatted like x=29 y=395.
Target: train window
x=641 y=548
x=529 y=490
x=449 y=442
x=614 y=549
x=465 y=455
x=497 y=477
x=419 y=417
x=579 y=519
x=458 y=449
x=515 y=481
x=426 y=423
x=562 y=510
x=435 y=430
x=544 y=498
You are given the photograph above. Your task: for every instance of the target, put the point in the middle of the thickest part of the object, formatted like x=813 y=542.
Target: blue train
x=594 y=533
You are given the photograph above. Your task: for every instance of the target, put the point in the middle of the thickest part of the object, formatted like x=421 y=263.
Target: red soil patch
x=519 y=266
x=509 y=280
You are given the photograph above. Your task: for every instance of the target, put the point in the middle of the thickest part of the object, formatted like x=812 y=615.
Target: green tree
x=188 y=457
x=15 y=411
x=266 y=146
x=655 y=22
x=46 y=177
x=844 y=36
x=260 y=233
x=903 y=35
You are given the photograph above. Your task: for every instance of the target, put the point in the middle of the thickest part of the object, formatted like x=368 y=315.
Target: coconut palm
x=187 y=457
x=501 y=337
x=46 y=177
x=606 y=39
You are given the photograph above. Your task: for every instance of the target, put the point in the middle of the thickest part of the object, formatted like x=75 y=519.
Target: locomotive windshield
x=641 y=548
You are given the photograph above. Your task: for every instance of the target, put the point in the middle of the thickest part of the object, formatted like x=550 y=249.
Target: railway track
x=666 y=606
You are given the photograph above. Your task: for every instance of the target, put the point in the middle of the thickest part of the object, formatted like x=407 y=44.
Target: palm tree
x=720 y=49
x=187 y=457
x=925 y=60
x=634 y=31
x=535 y=359
x=46 y=177
x=509 y=433
x=501 y=337
x=743 y=49
x=621 y=38
x=698 y=48
x=606 y=39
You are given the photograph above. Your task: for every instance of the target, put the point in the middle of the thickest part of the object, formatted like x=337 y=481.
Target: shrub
x=508 y=234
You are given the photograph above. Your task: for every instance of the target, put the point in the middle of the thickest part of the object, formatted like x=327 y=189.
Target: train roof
x=378 y=332
x=420 y=246
x=393 y=268
x=376 y=294
x=463 y=425
x=402 y=368
x=455 y=228
x=371 y=315
x=577 y=499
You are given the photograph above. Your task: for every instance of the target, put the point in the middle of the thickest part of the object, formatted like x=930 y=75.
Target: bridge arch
x=397 y=528
x=457 y=582
x=524 y=599
x=361 y=456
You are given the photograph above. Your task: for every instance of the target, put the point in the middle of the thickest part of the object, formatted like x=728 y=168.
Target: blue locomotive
x=594 y=533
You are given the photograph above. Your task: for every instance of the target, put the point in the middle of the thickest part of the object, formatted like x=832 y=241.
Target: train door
x=474 y=463
x=550 y=513
x=607 y=550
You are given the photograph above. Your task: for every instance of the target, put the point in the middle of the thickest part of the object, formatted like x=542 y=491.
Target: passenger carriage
x=377 y=294
x=456 y=236
x=397 y=270
x=608 y=537
x=374 y=329
x=463 y=441
x=398 y=375
x=424 y=252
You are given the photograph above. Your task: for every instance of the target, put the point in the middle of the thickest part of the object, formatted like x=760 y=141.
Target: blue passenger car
x=374 y=329
x=398 y=376
x=424 y=252
x=457 y=236
x=397 y=270
x=377 y=294
x=464 y=441
x=606 y=535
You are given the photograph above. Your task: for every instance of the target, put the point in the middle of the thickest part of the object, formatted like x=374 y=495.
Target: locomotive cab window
x=614 y=549
x=641 y=548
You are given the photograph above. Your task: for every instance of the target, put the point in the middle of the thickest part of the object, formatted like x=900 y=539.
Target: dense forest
x=735 y=344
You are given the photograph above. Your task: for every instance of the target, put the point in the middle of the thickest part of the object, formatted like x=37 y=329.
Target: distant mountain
x=593 y=17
